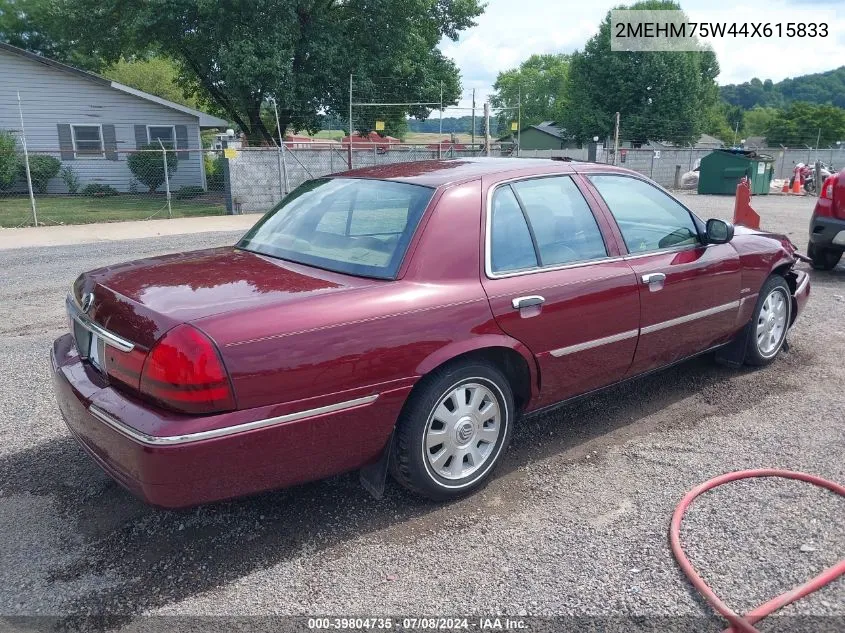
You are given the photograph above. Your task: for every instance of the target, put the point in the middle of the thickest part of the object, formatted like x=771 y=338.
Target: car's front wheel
x=453 y=430
x=770 y=322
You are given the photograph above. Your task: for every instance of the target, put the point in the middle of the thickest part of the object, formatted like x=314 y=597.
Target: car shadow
x=159 y=557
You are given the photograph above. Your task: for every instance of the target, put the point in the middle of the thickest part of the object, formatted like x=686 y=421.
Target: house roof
x=205 y=120
x=546 y=127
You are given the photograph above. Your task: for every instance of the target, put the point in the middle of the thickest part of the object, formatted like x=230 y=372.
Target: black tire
x=409 y=463
x=809 y=186
x=756 y=354
x=823 y=258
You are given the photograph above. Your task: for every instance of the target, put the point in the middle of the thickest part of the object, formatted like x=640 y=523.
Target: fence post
x=26 y=163
x=349 y=152
x=227 y=182
x=166 y=179
x=677 y=176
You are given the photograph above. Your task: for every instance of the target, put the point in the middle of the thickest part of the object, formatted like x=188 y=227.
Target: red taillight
x=827 y=188
x=183 y=371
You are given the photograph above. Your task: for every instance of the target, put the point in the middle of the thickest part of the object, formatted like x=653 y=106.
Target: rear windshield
x=348 y=225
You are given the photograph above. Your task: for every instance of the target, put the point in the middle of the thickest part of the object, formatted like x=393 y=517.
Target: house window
x=164 y=133
x=88 y=141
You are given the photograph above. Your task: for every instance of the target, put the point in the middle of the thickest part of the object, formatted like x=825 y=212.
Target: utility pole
x=818 y=140
x=281 y=150
x=616 y=139
x=486 y=128
x=473 y=117
x=349 y=149
x=518 y=119
x=736 y=130
x=441 y=108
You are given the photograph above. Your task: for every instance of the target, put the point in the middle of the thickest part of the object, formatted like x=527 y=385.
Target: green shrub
x=71 y=179
x=189 y=191
x=148 y=166
x=42 y=169
x=9 y=160
x=213 y=172
x=96 y=190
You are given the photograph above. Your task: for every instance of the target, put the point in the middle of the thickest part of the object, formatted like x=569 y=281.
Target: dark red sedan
x=403 y=318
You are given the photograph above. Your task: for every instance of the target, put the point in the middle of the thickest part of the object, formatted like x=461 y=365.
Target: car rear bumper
x=149 y=453
x=826 y=232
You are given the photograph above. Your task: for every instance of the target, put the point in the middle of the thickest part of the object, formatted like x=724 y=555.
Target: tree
x=38 y=26
x=156 y=75
x=725 y=122
x=803 y=124
x=301 y=52
x=661 y=96
x=539 y=82
x=757 y=120
x=819 y=88
x=148 y=166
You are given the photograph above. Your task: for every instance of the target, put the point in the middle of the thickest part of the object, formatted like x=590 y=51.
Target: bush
x=213 y=172
x=9 y=160
x=42 y=169
x=71 y=179
x=96 y=190
x=148 y=166
x=189 y=191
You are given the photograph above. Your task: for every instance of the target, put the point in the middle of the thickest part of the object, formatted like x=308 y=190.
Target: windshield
x=348 y=225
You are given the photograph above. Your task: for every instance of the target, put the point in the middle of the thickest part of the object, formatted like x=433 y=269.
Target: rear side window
x=564 y=226
x=348 y=225
x=648 y=218
x=510 y=241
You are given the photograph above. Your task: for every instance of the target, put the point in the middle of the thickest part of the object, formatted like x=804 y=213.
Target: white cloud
x=509 y=32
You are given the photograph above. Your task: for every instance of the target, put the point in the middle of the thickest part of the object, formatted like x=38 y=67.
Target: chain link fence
x=81 y=187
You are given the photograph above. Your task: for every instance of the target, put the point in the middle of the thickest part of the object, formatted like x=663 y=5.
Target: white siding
x=51 y=96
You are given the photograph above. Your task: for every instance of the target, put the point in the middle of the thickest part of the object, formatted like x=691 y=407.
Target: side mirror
x=719 y=231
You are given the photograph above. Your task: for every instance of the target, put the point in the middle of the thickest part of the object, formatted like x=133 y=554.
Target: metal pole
x=616 y=139
x=441 y=107
x=26 y=162
x=350 y=107
x=736 y=130
x=284 y=166
x=472 y=144
x=818 y=140
x=486 y=128
x=166 y=179
x=518 y=118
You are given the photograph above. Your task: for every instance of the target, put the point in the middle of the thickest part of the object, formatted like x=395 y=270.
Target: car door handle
x=654 y=278
x=526 y=302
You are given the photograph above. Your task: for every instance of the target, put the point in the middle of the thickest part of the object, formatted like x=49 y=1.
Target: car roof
x=436 y=173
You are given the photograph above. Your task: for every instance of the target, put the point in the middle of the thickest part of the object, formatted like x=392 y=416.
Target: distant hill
x=820 y=88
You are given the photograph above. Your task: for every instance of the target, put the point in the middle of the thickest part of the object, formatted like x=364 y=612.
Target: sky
x=509 y=32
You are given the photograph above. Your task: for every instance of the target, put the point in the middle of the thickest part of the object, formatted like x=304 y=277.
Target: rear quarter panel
x=759 y=256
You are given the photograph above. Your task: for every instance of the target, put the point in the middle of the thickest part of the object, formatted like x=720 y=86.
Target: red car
x=827 y=224
x=402 y=318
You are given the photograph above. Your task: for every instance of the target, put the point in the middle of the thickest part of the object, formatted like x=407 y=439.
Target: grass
x=15 y=210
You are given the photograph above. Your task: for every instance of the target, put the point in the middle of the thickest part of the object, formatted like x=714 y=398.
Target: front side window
x=87 y=141
x=164 y=133
x=649 y=219
x=564 y=226
x=348 y=225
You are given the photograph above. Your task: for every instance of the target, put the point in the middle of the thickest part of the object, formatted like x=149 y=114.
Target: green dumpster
x=722 y=169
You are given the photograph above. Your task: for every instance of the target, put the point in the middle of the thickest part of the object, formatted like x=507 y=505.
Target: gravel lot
x=574 y=523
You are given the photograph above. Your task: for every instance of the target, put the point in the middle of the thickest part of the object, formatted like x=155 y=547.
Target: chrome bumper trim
x=171 y=440
x=689 y=317
x=580 y=347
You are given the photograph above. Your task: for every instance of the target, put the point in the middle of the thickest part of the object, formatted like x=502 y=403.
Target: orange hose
x=744 y=624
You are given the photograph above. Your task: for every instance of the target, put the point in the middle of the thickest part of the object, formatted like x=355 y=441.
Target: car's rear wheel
x=770 y=321
x=823 y=258
x=453 y=430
